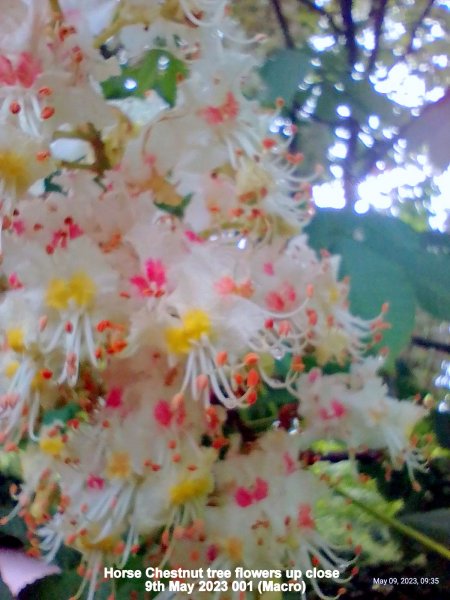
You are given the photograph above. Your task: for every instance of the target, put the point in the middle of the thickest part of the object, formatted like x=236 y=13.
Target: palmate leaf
x=387 y=261
x=283 y=72
x=158 y=70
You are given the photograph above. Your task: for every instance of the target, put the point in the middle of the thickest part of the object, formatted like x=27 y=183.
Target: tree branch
x=378 y=14
x=349 y=176
x=417 y=25
x=430 y=344
x=349 y=32
x=324 y=13
x=284 y=25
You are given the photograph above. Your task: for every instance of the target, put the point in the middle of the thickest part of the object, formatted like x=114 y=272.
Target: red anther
x=42 y=155
x=253 y=378
x=49 y=249
x=68 y=327
x=268 y=324
x=312 y=317
x=47 y=112
x=252 y=397
x=102 y=325
x=77 y=54
x=238 y=378
x=14 y=108
x=219 y=442
x=46 y=373
x=221 y=358
x=45 y=91
x=65 y=31
x=251 y=359
x=268 y=143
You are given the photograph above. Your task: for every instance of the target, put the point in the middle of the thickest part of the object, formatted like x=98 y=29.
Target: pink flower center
x=217 y=115
x=25 y=73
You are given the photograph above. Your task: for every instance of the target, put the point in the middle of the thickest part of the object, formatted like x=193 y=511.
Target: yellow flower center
x=14 y=338
x=79 y=289
x=333 y=346
x=189 y=489
x=14 y=171
x=118 y=466
x=51 y=445
x=11 y=368
x=107 y=545
x=334 y=294
x=233 y=547
x=195 y=324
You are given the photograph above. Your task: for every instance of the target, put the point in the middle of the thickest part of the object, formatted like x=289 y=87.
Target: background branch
x=378 y=14
x=284 y=26
x=417 y=25
x=349 y=32
x=324 y=13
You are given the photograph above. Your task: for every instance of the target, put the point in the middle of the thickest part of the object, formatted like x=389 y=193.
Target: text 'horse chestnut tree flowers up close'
x=155 y=287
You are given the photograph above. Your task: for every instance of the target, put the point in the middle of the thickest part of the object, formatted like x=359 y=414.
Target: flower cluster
x=156 y=288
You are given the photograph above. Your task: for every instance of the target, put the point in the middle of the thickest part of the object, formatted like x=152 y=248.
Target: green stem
x=405 y=530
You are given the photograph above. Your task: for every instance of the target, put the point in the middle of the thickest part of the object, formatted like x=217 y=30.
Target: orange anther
x=253 y=378
x=47 y=112
x=14 y=108
x=221 y=358
x=251 y=359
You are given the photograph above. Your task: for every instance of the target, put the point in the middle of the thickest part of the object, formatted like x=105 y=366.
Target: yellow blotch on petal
x=37 y=383
x=11 y=368
x=192 y=488
x=80 y=289
x=51 y=445
x=14 y=338
x=334 y=294
x=14 y=171
x=333 y=347
x=233 y=547
x=195 y=324
x=106 y=545
x=58 y=294
x=118 y=466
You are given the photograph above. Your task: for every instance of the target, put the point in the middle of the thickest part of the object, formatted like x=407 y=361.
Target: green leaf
x=159 y=70
x=374 y=280
x=327 y=103
x=423 y=258
x=430 y=275
x=283 y=72
x=434 y=523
